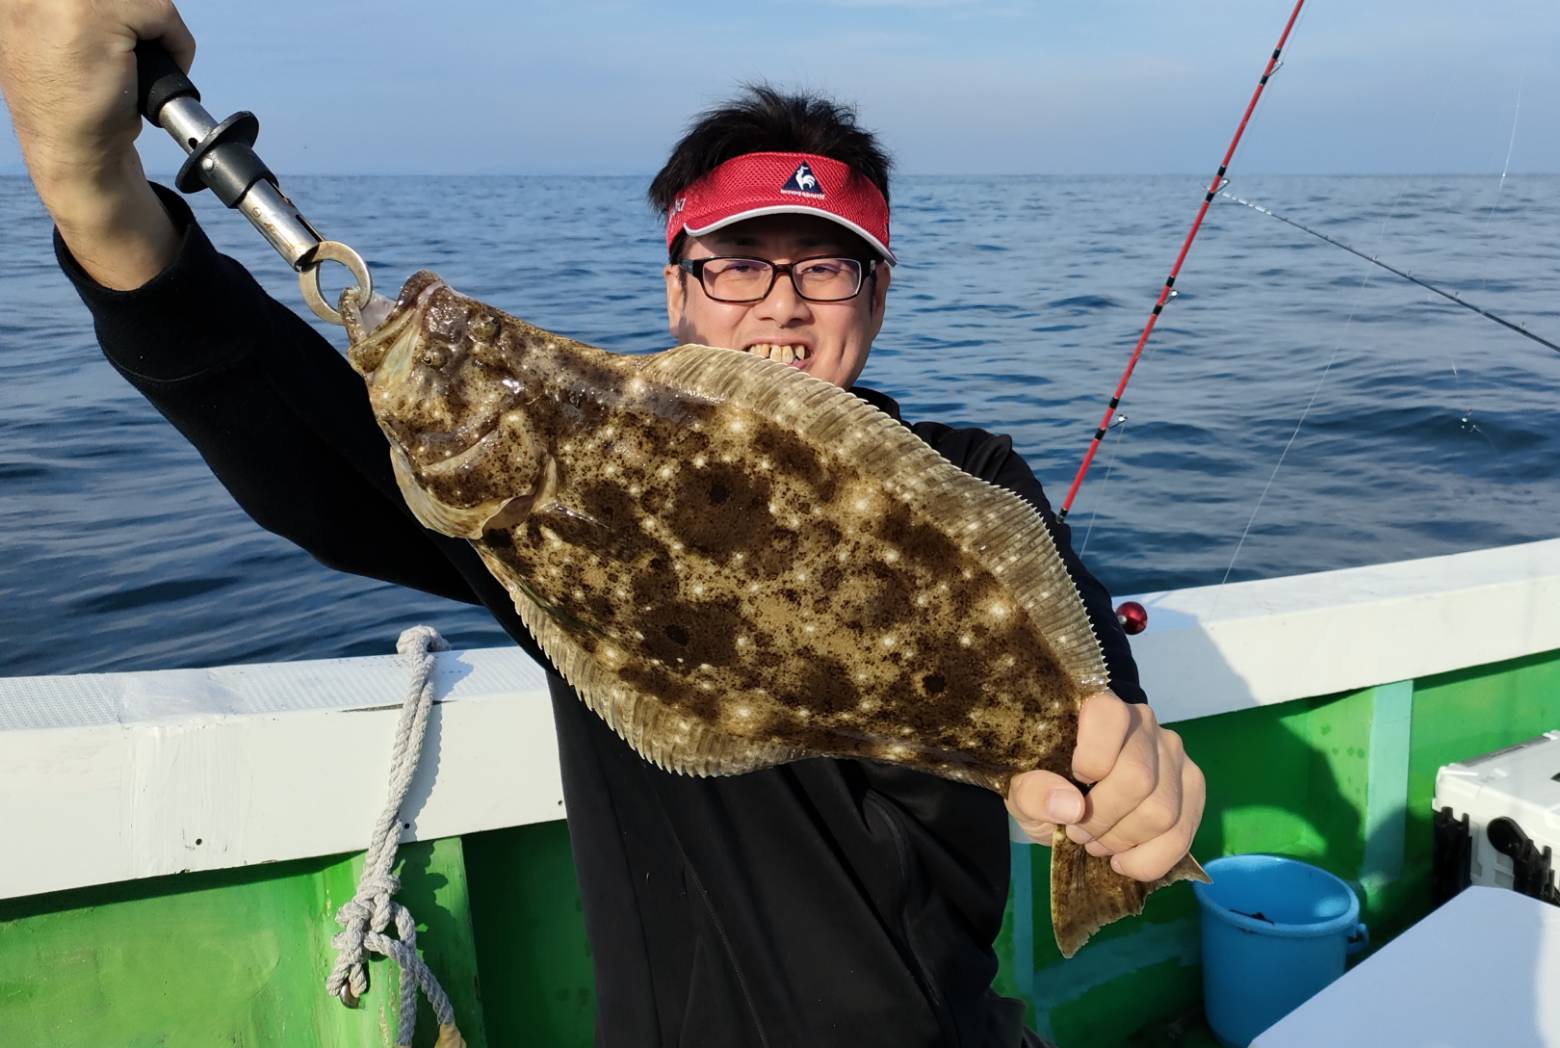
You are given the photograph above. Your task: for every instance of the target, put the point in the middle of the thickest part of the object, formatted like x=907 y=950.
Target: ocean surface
x=1427 y=430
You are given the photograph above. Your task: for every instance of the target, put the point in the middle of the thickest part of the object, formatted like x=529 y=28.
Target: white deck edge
x=183 y=780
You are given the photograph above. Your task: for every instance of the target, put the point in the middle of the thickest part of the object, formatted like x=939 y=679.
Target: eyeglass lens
x=750 y=279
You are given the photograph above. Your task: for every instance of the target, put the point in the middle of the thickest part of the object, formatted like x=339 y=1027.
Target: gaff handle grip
x=158 y=79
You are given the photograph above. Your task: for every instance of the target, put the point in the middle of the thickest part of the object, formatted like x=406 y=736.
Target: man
x=821 y=903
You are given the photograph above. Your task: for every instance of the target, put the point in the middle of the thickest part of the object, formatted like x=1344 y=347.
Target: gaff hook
x=221 y=157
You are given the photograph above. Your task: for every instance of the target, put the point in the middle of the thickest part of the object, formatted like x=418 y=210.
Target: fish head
x=450 y=381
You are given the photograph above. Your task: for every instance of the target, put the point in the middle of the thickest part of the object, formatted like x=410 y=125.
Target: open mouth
x=796 y=354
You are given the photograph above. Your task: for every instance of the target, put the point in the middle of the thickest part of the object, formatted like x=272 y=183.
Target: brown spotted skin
x=730 y=591
x=743 y=575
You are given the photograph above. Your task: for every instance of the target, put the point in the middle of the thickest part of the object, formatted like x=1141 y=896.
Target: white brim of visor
x=794 y=209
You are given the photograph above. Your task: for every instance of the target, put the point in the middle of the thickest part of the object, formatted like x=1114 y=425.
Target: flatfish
x=737 y=565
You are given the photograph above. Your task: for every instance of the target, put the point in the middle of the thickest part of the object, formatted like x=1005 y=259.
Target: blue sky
x=954 y=86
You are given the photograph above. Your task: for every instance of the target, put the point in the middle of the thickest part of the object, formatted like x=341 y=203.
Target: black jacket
x=817 y=904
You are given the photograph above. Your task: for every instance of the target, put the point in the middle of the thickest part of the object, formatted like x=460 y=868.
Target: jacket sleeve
x=992 y=458
x=274 y=410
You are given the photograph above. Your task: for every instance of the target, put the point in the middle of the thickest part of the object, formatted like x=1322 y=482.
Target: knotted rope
x=364 y=919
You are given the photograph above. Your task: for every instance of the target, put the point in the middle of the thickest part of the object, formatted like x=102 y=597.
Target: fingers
x=1038 y=800
x=162 y=22
x=1130 y=778
x=1158 y=812
x=1104 y=722
x=1146 y=800
x=1153 y=859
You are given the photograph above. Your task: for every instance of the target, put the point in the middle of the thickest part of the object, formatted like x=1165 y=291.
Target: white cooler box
x=1497 y=821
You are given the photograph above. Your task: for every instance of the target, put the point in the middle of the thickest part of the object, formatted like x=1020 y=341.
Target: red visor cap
x=756 y=184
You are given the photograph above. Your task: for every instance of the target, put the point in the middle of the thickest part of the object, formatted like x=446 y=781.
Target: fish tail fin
x=1086 y=894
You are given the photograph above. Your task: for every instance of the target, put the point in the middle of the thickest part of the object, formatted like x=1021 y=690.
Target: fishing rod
x=1168 y=291
x=1450 y=296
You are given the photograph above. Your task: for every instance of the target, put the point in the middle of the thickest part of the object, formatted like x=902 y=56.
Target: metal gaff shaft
x=221 y=155
x=1186 y=245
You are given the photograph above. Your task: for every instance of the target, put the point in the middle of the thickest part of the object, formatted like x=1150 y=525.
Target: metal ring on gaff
x=309 y=278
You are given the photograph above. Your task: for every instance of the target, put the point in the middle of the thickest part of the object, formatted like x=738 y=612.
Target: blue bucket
x=1274 y=932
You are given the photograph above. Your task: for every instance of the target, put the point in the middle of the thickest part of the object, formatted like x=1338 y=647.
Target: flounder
x=736 y=564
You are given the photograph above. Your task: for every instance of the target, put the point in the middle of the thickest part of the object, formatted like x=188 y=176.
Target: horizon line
x=20 y=171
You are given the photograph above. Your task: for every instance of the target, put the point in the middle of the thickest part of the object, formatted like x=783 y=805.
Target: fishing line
x=1359 y=300
x=1500 y=188
x=1450 y=296
x=1114 y=455
x=1467 y=415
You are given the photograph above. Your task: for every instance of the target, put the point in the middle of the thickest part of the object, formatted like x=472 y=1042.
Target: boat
x=177 y=842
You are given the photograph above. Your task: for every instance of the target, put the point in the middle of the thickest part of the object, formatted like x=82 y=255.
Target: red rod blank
x=1186 y=245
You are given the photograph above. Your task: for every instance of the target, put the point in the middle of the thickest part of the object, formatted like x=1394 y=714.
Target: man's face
x=835 y=335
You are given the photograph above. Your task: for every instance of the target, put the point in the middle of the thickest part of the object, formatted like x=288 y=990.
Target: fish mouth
x=376 y=329
x=793 y=353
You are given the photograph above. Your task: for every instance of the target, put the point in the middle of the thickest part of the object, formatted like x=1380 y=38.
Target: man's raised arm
x=67 y=71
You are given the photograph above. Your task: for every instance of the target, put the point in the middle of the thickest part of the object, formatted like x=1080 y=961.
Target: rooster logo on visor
x=803 y=182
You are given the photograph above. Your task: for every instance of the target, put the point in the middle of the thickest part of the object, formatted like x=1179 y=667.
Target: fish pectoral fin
x=518 y=508
x=1086 y=894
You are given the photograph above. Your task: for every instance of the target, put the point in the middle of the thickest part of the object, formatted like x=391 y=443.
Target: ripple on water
x=1014 y=310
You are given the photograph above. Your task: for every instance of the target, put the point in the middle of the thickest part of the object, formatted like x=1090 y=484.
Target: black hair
x=764 y=120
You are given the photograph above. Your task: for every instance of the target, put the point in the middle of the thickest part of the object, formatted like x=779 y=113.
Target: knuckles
x=1159 y=814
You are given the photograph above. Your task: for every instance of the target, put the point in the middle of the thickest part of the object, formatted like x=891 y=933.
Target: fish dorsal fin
x=1008 y=532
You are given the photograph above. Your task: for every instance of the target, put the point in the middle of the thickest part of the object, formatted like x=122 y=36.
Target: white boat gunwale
x=115 y=777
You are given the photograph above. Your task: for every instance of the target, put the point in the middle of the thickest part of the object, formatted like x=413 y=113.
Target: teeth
x=782 y=352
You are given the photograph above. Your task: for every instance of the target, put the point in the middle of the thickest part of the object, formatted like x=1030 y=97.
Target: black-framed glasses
x=737 y=279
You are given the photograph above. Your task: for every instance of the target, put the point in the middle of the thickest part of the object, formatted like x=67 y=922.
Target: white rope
x=372 y=909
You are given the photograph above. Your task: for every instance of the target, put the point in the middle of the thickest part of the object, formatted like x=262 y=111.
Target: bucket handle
x=1358 y=939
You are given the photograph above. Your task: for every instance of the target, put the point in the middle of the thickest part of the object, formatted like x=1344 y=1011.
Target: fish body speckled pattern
x=737 y=565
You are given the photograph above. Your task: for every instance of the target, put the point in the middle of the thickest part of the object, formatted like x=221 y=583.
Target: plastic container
x=1274 y=932
x=1497 y=821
